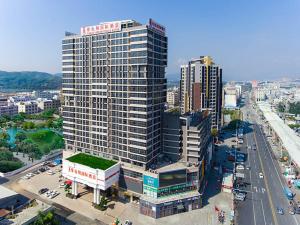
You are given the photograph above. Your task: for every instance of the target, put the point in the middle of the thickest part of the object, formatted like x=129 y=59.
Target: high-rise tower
x=201 y=88
x=114 y=90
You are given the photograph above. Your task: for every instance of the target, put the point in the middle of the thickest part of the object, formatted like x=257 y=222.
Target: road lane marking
x=252 y=194
x=280 y=181
x=266 y=183
x=263 y=211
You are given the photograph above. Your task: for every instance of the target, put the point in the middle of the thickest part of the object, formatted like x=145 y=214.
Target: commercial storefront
x=170 y=192
x=170 y=206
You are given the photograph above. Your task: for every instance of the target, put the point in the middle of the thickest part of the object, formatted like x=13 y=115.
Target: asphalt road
x=264 y=194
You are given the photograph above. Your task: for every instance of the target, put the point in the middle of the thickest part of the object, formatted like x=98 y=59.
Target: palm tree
x=46 y=219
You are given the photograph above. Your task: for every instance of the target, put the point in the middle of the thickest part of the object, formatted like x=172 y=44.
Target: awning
x=180 y=206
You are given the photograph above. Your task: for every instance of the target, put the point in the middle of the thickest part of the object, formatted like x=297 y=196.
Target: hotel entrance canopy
x=91 y=170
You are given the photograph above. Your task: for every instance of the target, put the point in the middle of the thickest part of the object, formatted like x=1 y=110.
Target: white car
x=261 y=175
x=240 y=167
x=50 y=172
x=29 y=175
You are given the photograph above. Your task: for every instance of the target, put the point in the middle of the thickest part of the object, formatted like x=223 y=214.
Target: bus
x=288 y=193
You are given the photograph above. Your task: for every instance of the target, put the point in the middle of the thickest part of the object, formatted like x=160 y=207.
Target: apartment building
x=9 y=110
x=173 y=97
x=47 y=104
x=29 y=107
x=201 y=88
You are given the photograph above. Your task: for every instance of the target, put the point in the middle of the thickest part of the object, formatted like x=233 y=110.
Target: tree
x=46 y=219
x=281 y=107
x=49 y=123
x=20 y=136
x=4 y=135
x=28 y=125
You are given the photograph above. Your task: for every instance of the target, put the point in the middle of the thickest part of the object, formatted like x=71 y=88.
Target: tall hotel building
x=114 y=90
x=118 y=137
x=201 y=88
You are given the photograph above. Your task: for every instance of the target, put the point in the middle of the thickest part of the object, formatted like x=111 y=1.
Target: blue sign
x=150 y=181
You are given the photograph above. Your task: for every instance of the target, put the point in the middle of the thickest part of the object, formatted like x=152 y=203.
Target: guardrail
x=45 y=158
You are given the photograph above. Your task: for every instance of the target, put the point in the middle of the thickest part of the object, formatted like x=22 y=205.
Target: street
x=264 y=194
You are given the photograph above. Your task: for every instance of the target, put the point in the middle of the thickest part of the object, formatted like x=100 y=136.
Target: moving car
x=261 y=175
x=280 y=210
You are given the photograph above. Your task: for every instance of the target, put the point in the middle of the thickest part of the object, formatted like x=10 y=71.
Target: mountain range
x=29 y=80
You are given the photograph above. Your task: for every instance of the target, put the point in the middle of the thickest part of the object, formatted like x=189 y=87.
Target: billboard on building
x=150 y=181
x=172 y=178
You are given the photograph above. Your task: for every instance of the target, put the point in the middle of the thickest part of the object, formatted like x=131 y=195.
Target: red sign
x=157 y=26
x=82 y=173
x=101 y=28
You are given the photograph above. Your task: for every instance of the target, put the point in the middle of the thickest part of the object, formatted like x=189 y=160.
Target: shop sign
x=150 y=181
x=156 y=26
x=82 y=173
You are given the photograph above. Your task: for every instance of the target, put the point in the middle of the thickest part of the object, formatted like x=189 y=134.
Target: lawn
x=46 y=140
x=91 y=161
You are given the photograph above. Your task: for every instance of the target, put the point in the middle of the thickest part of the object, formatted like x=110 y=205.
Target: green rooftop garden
x=91 y=161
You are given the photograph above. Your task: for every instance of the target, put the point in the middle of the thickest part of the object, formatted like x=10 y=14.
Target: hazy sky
x=257 y=39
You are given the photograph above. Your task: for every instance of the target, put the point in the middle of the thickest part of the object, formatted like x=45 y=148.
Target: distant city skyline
x=250 y=40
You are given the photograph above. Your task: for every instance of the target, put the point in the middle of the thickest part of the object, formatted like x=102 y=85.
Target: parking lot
x=123 y=211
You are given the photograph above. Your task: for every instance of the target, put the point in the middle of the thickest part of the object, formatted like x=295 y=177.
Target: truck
x=288 y=193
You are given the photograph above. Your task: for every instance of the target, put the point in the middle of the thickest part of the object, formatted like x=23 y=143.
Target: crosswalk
x=258 y=189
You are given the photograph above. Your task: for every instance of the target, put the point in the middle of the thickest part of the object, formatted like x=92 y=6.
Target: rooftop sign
x=157 y=26
x=101 y=28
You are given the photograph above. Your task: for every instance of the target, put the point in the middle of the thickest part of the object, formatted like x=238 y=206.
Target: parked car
x=261 y=175
x=128 y=222
x=240 y=167
x=43 y=190
x=50 y=172
x=36 y=172
x=239 y=196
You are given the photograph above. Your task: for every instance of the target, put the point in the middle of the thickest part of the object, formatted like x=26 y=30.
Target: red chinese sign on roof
x=101 y=28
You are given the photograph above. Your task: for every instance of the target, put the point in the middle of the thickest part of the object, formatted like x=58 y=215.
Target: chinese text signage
x=157 y=26
x=101 y=28
x=150 y=181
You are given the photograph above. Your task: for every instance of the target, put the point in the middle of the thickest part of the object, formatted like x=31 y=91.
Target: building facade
x=173 y=97
x=201 y=88
x=114 y=90
x=8 y=110
x=47 y=104
x=29 y=107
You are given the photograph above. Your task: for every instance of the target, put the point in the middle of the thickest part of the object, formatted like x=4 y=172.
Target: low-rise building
x=29 y=107
x=46 y=94
x=46 y=104
x=8 y=110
